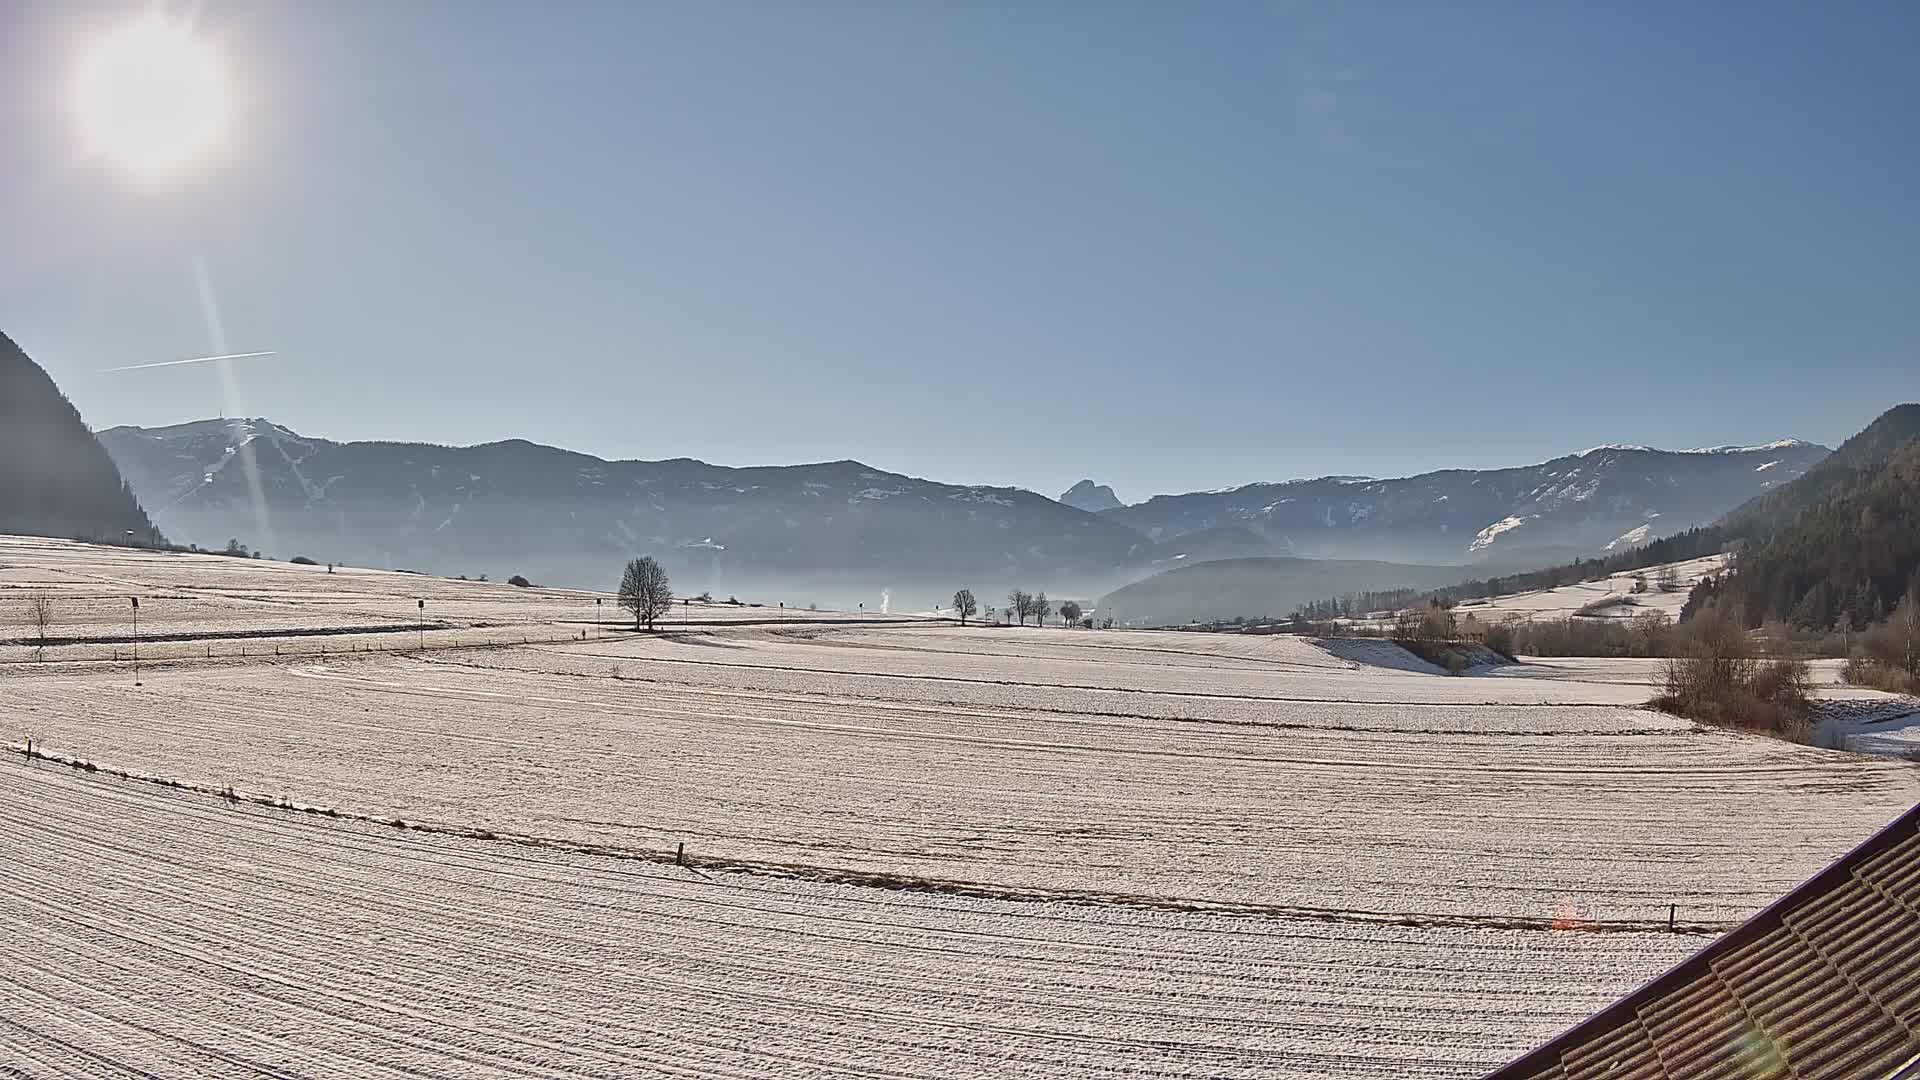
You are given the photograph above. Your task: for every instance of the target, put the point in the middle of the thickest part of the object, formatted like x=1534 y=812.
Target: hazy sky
x=1167 y=246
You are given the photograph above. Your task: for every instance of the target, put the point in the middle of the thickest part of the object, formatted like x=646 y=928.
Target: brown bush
x=1716 y=679
x=1646 y=635
x=1500 y=638
x=1864 y=671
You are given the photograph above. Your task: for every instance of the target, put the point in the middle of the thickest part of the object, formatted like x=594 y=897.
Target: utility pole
x=136 y=638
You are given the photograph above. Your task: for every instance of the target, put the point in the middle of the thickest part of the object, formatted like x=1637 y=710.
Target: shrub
x=1499 y=638
x=1865 y=671
x=519 y=582
x=302 y=560
x=1894 y=645
x=1649 y=634
x=1717 y=680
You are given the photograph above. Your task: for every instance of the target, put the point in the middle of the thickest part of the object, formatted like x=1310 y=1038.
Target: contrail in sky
x=189 y=360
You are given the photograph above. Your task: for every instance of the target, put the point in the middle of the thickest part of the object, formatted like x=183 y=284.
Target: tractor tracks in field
x=1207 y=695
x=936 y=704
x=896 y=882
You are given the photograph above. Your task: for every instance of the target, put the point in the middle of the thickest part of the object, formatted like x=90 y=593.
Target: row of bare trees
x=1021 y=606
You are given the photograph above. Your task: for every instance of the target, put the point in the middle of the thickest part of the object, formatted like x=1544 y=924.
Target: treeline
x=1354 y=605
x=1022 y=605
x=1692 y=544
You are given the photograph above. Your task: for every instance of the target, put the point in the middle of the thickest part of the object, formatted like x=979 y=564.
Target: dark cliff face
x=1091 y=497
x=55 y=478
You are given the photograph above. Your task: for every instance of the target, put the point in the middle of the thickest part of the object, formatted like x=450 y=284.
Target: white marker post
x=136 y=640
x=423 y=624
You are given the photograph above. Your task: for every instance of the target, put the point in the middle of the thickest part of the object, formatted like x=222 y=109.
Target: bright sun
x=151 y=98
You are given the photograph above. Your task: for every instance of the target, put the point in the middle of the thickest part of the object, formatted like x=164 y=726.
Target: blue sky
x=1167 y=246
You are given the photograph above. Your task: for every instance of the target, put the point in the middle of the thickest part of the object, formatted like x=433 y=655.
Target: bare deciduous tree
x=1020 y=605
x=1041 y=609
x=645 y=591
x=1896 y=643
x=40 y=617
x=965 y=605
x=1070 y=612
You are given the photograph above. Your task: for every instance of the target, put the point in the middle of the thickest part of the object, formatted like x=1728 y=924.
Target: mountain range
x=831 y=532
x=836 y=531
x=1833 y=549
x=1604 y=498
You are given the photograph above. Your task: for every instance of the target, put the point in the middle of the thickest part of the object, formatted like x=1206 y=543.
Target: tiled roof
x=1822 y=985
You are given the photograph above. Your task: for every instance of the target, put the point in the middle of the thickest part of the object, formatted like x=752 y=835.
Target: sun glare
x=151 y=98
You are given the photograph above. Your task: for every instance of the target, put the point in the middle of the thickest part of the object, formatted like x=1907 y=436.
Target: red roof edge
x=1770 y=918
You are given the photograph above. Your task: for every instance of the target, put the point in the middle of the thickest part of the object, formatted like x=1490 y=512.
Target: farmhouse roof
x=1825 y=983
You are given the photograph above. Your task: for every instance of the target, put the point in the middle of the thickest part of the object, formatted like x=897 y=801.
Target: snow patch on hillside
x=1777 y=444
x=1485 y=537
x=1374 y=652
x=1631 y=538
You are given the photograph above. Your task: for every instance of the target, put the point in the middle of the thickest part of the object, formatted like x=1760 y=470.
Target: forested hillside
x=55 y=479
x=1842 y=562
x=1836 y=547
x=1760 y=518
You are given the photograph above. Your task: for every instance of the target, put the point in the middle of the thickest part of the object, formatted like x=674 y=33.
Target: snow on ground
x=1567 y=600
x=949 y=852
x=164 y=934
x=1335 y=788
x=1380 y=653
x=233 y=605
x=1888 y=725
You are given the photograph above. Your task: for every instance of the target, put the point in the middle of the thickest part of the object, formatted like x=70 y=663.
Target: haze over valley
x=946 y=541
x=844 y=533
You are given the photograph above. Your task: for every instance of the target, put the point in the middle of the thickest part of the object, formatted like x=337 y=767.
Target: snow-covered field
x=225 y=606
x=918 y=850
x=1566 y=601
x=154 y=933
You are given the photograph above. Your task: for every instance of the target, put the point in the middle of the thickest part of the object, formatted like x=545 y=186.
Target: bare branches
x=40 y=617
x=645 y=591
